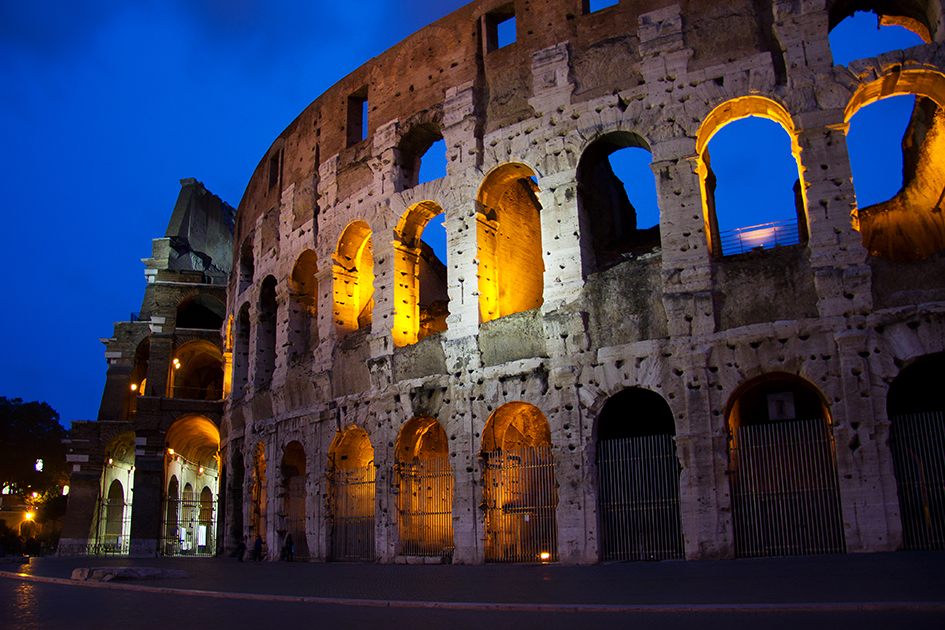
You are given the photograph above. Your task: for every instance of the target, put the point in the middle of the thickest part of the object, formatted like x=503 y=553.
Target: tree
x=32 y=456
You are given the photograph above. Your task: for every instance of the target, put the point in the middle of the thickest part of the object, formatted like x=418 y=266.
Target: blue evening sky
x=106 y=104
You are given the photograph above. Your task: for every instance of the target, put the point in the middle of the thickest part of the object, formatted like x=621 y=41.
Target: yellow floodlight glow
x=545 y=556
x=170 y=451
x=134 y=387
x=29 y=516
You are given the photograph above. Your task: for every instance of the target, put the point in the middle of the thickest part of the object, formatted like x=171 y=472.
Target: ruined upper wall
x=409 y=81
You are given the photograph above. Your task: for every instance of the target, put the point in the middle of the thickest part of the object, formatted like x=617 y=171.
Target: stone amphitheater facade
x=349 y=343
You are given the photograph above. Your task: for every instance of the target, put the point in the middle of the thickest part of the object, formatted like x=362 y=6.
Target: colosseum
x=569 y=384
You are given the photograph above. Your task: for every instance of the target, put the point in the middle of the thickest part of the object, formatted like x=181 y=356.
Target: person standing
x=289 y=548
x=241 y=549
x=257 y=549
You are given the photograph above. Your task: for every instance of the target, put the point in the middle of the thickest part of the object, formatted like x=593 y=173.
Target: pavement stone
x=867 y=579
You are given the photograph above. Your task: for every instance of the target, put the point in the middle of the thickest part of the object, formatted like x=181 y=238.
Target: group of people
x=288 y=549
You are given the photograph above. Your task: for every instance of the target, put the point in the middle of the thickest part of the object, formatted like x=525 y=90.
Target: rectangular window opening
x=275 y=166
x=500 y=27
x=357 y=116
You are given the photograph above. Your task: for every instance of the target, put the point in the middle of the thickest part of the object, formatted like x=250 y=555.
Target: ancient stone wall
x=679 y=319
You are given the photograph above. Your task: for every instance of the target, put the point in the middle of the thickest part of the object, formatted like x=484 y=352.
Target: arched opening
x=294 y=495
x=351 y=479
x=617 y=202
x=916 y=412
x=202 y=312
x=303 y=306
x=138 y=380
x=910 y=226
x=421 y=140
x=511 y=269
x=353 y=276
x=266 y=333
x=424 y=489
x=260 y=495
x=112 y=530
x=921 y=17
x=241 y=353
x=520 y=496
x=420 y=293
x=782 y=469
x=247 y=268
x=753 y=185
x=197 y=371
x=638 y=479
x=191 y=460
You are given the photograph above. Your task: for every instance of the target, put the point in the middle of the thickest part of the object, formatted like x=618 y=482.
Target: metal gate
x=425 y=505
x=520 y=497
x=112 y=534
x=785 y=495
x=639 y=499
x=295 y=515
x=189 y=527
x=352 y=514
x=918 y=449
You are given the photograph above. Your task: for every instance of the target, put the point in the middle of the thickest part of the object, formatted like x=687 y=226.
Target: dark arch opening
x=414 y=147
x=618 y=201
x=266 y=333
x=776 y=397
x=635 y=412
x=204 y=312
x=918 y=388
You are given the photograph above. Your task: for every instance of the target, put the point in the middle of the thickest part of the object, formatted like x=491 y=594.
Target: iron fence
x=425 y=506
x=113 y=531
x=520 y=497
x=918 y=447
x=785 y=494
x=189 y=527
x=352 y=514
x=295 y=515
x=765 y=236
x=639 y=499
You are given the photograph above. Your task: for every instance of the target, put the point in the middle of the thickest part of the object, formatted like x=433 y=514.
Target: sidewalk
x=822 y=582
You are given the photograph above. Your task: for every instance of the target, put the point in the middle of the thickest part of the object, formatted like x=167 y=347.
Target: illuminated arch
x=260 y=494
x=191 y=461
x=353 y=277
x=303 y=308
x=113 y=532
x=519 y=490
x=425 y=489
x=508 y=236
x=911 y=225
x=197 y=371
x=420 y=294
x=352 y=477
x=727 y=112
x=138 y=380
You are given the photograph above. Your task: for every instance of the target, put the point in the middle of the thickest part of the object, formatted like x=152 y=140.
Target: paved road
x=905 y=590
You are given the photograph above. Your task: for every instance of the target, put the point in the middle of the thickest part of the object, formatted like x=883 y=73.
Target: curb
x=571 y=608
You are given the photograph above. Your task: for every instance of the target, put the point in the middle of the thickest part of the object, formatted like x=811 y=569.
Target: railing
x=425 y=506
x=352 y=514
x=785 y=492
x=639 y=499
x=520 y=497
x=189 y=527
x=765 y=236
x=918 y=448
